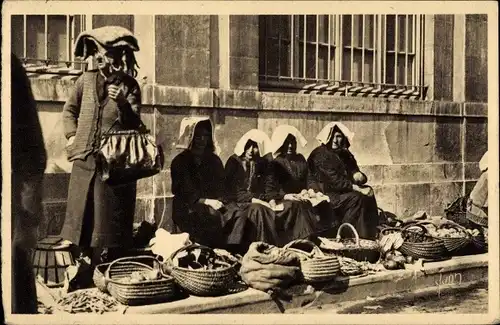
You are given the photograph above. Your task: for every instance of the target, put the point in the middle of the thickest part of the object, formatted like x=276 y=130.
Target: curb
x=455 y=272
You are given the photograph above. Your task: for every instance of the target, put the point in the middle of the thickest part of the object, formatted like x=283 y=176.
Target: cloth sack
x=265 y=267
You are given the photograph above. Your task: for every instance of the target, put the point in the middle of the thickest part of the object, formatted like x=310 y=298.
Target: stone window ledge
x=56 y=89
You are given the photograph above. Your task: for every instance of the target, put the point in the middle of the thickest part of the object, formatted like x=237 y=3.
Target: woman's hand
x=116 y=93
x=365 y=190
x=214 y=204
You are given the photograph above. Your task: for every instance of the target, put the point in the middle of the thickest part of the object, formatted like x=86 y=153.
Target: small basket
x=434 y=249
x=142 y=293
x=456 y=211
x=315 y=266
x=202 y=282
x=362 y=249
x=455 y=244
x=98 y=277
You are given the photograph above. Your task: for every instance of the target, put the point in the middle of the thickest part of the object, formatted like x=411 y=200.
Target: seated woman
x=244 y=183
x=333 y=170
x=287 y=176
x=198 y=187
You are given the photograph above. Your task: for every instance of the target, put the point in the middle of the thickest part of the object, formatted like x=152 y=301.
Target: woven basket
x=142 y=293
x=98 y=277
x=315 y=266
x=455 y=244
x=434 y=249
x=358 y=249
x=202 y=282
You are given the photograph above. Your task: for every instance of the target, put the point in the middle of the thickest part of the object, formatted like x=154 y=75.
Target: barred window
x=45 y=42
x=375 y=55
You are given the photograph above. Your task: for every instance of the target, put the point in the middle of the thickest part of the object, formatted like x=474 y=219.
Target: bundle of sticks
x=88 y=302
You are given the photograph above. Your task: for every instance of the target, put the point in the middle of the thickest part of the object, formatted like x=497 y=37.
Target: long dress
x=245 y=181
x=97 y=214
x=330 y=171
x=194 y=178
x=288 y=174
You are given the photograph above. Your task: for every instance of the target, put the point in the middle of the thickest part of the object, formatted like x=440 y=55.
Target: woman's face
x=201 y=138
x=290 y=145
x=107 y=58
x=337 y=140
x=252 y=151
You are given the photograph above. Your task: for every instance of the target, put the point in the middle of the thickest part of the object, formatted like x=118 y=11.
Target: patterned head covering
x=109 y=37
x=186 y=132
x=326 y=133
x=281 y=133
x=257 y=136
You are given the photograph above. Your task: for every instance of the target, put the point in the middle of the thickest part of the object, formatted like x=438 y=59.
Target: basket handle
x=356 y=235
x=315 y=248
x=417 y=225
x=123 y=259
x=389 y=228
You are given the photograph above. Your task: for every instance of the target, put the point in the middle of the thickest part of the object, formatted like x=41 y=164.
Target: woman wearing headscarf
x=198 y=185
x=100 y=215
x=333 y=170
x=286 y=176
x=244 y=178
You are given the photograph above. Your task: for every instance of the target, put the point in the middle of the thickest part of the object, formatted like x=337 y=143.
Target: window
x=45 y=42
x=348 y=54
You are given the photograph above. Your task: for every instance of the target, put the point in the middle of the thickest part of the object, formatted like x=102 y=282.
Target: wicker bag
x=315 y=266
x=201 y=282
x=357 y=248
x=141 y=293
x=433 y=248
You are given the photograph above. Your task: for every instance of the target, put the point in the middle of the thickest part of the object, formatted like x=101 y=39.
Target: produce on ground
x=88 y=302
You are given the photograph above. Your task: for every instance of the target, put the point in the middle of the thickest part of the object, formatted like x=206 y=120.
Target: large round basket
x=432 y=249
x=144 y=292
x=356 y=248
x=456 y=244
x=200 y=282
x=315 y=266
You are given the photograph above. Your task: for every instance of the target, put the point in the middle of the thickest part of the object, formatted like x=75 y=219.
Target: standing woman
x=100 y=215
x=245 y=173
x=333 y=170
x=286 y=176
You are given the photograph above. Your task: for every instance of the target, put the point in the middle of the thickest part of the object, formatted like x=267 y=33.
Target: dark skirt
x=234 y=227
x=98 y=214
x=352 y=207
x=298 y=220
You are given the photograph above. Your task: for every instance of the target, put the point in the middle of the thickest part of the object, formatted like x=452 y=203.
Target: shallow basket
x=315 y=266
x=202 y=282
x=433 y=250
x=144 y=292
x=361 y=249
x=456 y=244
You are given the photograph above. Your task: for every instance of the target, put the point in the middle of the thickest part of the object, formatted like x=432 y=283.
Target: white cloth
x=281 y=133
x=258 y=136
x=483 y=163
x=326 y=133
x=186 y=132
x=165 y=243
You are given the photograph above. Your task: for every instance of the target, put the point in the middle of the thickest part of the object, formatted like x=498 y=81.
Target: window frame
x=47 y=65
x=412 y=54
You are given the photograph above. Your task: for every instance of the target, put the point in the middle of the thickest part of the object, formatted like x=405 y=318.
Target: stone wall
x=418 y=155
